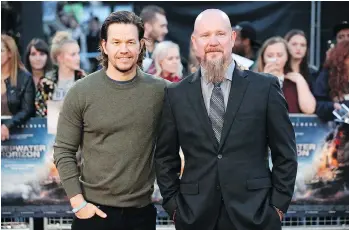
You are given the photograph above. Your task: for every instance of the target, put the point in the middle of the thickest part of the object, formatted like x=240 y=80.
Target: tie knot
x=217 y=84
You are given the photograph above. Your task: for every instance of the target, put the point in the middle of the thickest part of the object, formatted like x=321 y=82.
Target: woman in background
x=38 y=63
x=167 y=61
x=65 y=55
x=37 y=59
x=297 y=45
x=193 y=63
x=17 y=88
x=332 y=86
x=274 y=58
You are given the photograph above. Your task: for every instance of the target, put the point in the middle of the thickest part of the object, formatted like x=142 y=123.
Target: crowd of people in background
x=49 y=71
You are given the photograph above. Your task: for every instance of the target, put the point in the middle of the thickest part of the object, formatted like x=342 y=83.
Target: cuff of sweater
x=72 y=187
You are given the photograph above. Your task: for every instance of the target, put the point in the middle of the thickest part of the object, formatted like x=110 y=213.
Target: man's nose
x=123 y=48
x=213 y=40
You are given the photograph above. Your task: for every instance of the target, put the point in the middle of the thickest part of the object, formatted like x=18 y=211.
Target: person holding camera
x=332 y=89
x=274 y=58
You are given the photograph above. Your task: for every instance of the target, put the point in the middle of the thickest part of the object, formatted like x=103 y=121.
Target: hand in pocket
x=89 y=211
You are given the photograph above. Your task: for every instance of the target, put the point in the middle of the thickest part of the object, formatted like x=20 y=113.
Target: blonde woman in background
x=167 y=61
x=65 y=55
x=274 y=58
x=17 y=88
x=168 y=65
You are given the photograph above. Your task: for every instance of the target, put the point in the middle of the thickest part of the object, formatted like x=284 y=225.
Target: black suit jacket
x=236 y=170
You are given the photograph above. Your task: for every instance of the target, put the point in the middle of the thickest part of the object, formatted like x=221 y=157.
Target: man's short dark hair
x=148 y=13
x=120 y=17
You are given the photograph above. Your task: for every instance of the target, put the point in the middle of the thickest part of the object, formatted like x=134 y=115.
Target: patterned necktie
x=217 y=110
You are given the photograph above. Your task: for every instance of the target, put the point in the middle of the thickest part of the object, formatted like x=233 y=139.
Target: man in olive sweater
x=112 y=116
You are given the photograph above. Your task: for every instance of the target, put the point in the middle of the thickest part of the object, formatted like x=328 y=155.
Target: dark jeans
x=119 y=219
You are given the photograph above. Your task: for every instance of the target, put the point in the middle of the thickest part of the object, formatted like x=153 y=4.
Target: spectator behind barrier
x=167 y=61
x=341 y=31
x=193 y=62
x=17 y=88
x=38 y=63
x=93 y=41
x=155 y=30
x=332 y=85
x=274 y=58
x=246 y=43
x=297 y=45
x=65 y=54
x=78 y=34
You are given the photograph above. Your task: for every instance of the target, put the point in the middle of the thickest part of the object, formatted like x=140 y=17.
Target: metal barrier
x=17 y=223
x=288 y=223
x=317 y=222
x=57 y=223
x=164 y=223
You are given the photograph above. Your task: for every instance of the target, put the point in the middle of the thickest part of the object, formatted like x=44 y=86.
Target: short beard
x=123 y=70
x=214 y=70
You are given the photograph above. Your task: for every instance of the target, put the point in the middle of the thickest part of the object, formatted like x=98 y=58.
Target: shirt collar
x=228 y=74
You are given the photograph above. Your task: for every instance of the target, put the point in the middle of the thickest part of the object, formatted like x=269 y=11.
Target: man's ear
x=193 y=40
x=148 y=27
x=142 y=44
x=233 y=37
x=103 y=46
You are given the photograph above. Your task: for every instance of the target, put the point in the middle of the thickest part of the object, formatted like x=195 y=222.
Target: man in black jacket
x=224 y=125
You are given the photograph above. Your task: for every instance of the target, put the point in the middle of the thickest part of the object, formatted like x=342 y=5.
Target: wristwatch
x=81 y=206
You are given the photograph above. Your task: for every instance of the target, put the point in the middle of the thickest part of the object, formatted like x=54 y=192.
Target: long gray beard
x=214 y=70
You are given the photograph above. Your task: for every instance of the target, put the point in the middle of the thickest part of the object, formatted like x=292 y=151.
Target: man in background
x=246 y=43
x=155 y=30
x=341 y=31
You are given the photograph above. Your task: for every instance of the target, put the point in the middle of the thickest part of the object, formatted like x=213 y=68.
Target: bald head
x=214 y=17
x=213 y=40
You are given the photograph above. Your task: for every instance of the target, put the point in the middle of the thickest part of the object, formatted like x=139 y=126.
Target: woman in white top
x=65 y=55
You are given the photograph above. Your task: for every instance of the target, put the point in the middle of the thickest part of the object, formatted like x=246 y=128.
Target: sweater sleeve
x=68 y=139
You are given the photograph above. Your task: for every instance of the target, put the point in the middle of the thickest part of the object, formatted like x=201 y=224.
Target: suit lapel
x=237 y=91
x=197 y=101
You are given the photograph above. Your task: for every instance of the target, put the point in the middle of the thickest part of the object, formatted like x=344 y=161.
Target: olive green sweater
x=115 y=126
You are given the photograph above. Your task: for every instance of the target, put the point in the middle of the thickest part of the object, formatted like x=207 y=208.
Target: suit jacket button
x=219 y=156
x=218 y=187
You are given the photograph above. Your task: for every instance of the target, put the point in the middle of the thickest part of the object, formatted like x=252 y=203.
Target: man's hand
x=337 y=106
x=88 y=211
x=294 y=77
x=272 y=68
x=280 y=213
x=174 y=216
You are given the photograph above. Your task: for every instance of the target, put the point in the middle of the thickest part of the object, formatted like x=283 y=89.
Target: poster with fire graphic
x=28 y=174
x=323 y=164
x=30 y=178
